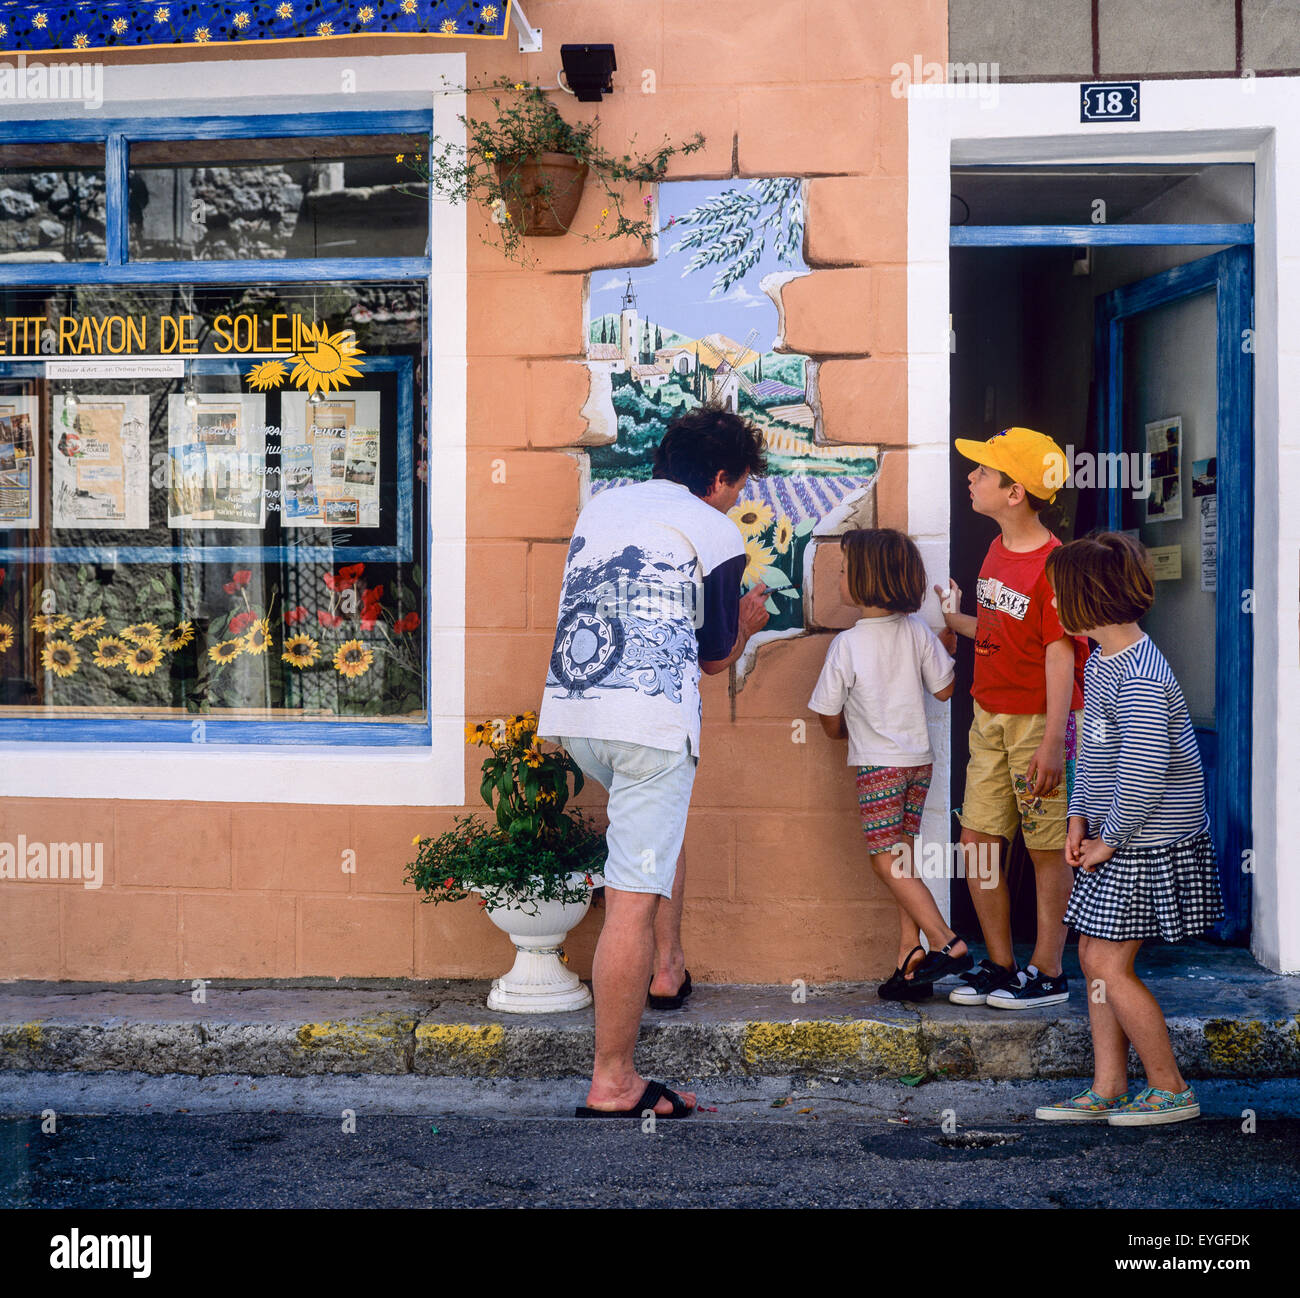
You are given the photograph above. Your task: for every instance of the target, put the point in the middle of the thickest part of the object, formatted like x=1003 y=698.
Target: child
x=872 y=692
x=1028 y=688
x=1138 y=832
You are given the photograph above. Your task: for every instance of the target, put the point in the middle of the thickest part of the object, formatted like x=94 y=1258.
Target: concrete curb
x=725 y=1032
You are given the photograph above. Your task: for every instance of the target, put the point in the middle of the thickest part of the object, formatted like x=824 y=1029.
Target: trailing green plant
x=532 y=847
x=489 y=167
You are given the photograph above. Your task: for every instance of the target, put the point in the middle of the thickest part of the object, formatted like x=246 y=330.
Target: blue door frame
x=1227 y=749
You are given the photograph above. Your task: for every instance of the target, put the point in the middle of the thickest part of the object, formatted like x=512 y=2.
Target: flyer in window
x=1165 y=470
x=20 y=478
x=216 y=457
x=299 y=494
x=101 y=462
x=342 y=437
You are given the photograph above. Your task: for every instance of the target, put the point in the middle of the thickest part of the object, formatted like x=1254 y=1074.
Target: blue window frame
x=117 y=269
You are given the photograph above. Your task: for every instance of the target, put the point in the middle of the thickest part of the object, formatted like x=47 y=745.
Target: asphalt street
x=224 y=1142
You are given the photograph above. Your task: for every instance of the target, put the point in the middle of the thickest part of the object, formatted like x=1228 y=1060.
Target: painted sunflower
x=6 y=636
x=178 y=637
x=300 y=650
x=60 y=657
x=226 y=650
x=325 y=360
x=109 y=652
x=757 y=557
x=267 y=374
x=751 y=516
x=143 y=659
x=257 y=637
x=49 y=623
x=353 y=659
x=142 y=632
x=87 y=626
x=784 y=534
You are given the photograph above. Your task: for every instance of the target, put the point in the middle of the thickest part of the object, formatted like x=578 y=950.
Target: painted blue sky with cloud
x=662 y=294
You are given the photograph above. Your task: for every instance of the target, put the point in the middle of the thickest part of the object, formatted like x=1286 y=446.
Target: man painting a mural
x=651 y=598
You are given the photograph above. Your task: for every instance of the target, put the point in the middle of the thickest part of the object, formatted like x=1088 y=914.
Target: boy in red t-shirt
x=1028 y=692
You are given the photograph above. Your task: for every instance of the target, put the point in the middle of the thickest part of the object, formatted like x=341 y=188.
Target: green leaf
x=773 y=578
x=913 y=1079
x=789 y=592
x=805 y=527
x=770 y=605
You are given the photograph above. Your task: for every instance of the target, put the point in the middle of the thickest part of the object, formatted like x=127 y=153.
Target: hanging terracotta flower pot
x=542 y=192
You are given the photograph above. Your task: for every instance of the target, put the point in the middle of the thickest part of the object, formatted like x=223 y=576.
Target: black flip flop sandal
x=939 y=964
x=899 y=987
x=672 y=1002
x=653 y=1093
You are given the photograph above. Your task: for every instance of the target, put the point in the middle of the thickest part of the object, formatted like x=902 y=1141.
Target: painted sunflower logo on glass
x=257 y=637
x=326 y=360
x=784 y=534
x=141 y=632
x=353 y=659
x=87 y=626
x=143 y=659
x=751 y=516
x=268 y=374
x=60 y=657
x=6 y=636
x=178 y=637
x=300 y=650
x=109 y=652
x=49 y=623
x=226 y=650
x=757 y=557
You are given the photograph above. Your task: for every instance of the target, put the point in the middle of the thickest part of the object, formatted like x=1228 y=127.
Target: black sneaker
x=979 y=982
x=1028 y=990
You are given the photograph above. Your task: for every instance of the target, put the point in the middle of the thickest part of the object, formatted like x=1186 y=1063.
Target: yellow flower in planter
x=300 y=650
x=417 y=840
x=109 y=652
x=143 y=659
x=751 y=516
x=178 y=637
x=142 y=632
x=47 y=624
x=226 y=650
x=87 y=626
x=60 y=657
x=353 y=659
x=257 y=637
x=476 y=734
x=6 y=636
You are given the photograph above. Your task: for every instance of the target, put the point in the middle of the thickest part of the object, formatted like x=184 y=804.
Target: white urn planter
x=539 y=983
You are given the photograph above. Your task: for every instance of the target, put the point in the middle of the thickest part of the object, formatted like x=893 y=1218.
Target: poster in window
x=1165 y=470
x=343 y=438
x=216 y=460
x=101 y=462
x=20 y=477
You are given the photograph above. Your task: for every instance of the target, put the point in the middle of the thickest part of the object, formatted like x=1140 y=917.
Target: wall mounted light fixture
x=588 y=71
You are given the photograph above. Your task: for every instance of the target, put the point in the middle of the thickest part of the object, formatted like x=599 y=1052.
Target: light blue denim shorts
x=649 y=796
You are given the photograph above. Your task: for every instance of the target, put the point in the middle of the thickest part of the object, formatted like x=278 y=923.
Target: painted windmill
x=727 y=376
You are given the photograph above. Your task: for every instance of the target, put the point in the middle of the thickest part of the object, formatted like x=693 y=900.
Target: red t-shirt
x=1015 y=621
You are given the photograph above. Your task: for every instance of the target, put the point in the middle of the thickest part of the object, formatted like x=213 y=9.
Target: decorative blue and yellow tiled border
x=113 y=24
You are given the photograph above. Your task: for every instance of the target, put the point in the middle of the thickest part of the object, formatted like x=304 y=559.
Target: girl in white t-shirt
x=872 y=693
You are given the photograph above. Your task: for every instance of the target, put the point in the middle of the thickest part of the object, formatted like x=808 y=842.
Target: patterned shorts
x=891 y=799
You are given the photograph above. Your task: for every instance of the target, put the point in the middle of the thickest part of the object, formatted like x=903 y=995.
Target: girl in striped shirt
x=1138 y=829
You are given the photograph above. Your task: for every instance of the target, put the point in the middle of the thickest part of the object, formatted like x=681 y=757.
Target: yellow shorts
x=998 y=799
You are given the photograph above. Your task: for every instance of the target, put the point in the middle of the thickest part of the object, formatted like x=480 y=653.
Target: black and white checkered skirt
x=1170 y=892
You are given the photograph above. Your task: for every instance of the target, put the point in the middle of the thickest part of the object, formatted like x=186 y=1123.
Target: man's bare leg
x=621 y=970
x=669 y=969
x=1052 y=884
x=993 y=902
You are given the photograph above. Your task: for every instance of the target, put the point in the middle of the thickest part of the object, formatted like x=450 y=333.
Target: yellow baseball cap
x=1029 y=458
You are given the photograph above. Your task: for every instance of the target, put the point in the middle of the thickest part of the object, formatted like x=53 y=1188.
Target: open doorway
x=1135 y=357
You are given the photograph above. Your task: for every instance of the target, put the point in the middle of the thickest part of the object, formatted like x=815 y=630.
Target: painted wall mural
x=700 y=326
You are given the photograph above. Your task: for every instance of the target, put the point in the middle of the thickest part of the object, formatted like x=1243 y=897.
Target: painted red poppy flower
x=328 y=619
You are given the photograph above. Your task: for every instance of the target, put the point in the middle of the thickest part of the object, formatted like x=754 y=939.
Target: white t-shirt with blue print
x=651 y=587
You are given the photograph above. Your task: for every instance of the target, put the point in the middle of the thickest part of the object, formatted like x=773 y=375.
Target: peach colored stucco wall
x=778 y=887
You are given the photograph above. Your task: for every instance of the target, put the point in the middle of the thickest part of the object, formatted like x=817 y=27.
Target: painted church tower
x=629 y=344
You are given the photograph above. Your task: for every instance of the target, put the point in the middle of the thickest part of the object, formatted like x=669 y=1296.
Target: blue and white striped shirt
x=1138 y=779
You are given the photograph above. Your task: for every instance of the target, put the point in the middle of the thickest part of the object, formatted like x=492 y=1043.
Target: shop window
x=249 y=199
x=51 y=202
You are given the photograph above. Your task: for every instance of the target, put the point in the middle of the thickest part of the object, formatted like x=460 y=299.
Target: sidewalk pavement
x=1228 y=1017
